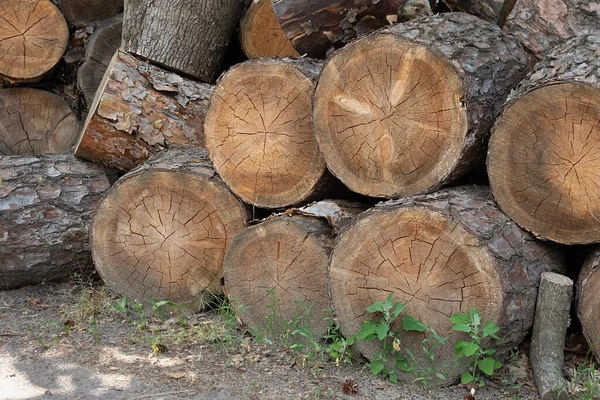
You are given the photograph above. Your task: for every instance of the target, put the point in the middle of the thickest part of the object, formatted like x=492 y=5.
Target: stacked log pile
x=401 y=108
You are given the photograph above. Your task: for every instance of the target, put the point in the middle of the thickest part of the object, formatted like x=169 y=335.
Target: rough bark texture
x=588 y=290
x=259 y=132
x=89 y=12
x=440 y=254
x=139 y=110
x=45 y=206
x=33 y=38
x=541 y=25
x=408 y=109
x=316 y=27
x=549 y=332
x=260 y=33
x=163 y=229
x=184 y=35
x=34 y=121
x=99 y=51
x=488 y=10
x=543 y=157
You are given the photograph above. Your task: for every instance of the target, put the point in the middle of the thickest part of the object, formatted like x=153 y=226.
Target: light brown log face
x=163 y=235
x=389 y=116
x=261 y=35
x=35 y=122
x=427 y=260
x=259 y=134
x=33 y=38
x=287 y=256
x=544 y=160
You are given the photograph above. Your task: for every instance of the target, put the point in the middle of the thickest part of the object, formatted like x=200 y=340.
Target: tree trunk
x=282 y=262
x=588 y=290
x=542 y=25
x=33 y=38
x=100 y=49
x=45 y=206
x=440 y=254
x=34 y=121
x=549 y=332
x=162 y=230
x=187 y=36
x=261 y=34
x=259 y=133
x=543 y=154
x=317 y=27
x=488 y=10
x=408 y=109
x=139 y=110
x=89 y=12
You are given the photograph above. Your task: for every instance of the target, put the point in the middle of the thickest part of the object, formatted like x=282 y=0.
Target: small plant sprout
x=479 y=359
x=120 y=305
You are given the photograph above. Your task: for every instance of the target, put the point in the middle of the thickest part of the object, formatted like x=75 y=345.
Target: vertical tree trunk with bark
x=259 y=132
x=162 y=231
x=139 y=110
x=46 y=204
x=408 y=109
x=588 y=291
x=440 y=254
x=34 y=121
x=318 y=26
x=89 y=12
x=544 y=156
x=33 y=38
x=187 y=36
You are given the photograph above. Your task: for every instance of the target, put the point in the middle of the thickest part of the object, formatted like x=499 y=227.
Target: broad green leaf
x=497 y=364
x=381 y=331
x=393 y=377
x=461 y=328
x=489 y=352
x=398 y=307
x=465 y=348
x=389 y=302
x=350 y=340
x=367 y=329
x=462 y=318
x=440 y=375
x=375 y=307
x=487 y=365
x=466 y=378
x=475 y=317
x=489 y=329
x=409 y=323
x=402 y=364
x=377 y=366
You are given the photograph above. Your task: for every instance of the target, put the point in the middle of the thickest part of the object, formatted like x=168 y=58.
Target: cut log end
x=163 y=235
x=427 y=260
x=284 y=258
x=389 y=116
x=33 y=38
x=543 y=162
x=35 y=122
x=261 y=34
x=259 y=134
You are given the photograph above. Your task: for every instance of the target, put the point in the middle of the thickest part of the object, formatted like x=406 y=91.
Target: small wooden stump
x=259 y=133
x=33 y=38
x=34 y=121
x=261 y=34
x=162 y=231
x=544 y=156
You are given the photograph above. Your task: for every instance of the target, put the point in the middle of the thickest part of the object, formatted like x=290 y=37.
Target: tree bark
x=33 y=38
x=543 y=153
x=542 y=25
x=588 y=289
x=407 y=110
x=45 y=206
x=488 y=10
x=81 y=13
x=259 y=132
x=139 y=110
x=34 y=121
x=316 y=27
x=260 y=33
x=440 y=254
x=187 y=36
x=162 y=230
x=549 y=332
x=100 y=49
x=282 y=262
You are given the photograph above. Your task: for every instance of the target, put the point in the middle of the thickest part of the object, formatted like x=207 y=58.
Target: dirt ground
x=68 y=341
